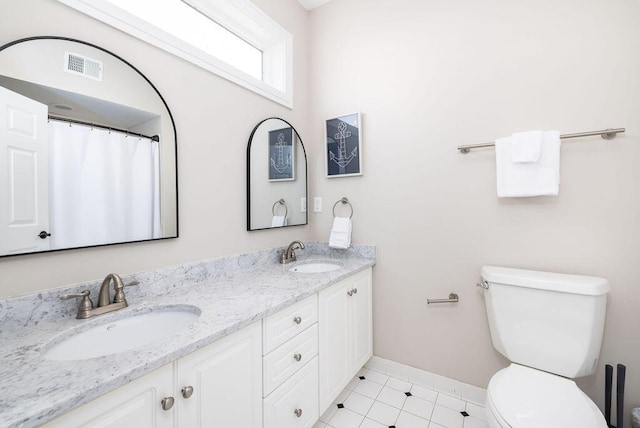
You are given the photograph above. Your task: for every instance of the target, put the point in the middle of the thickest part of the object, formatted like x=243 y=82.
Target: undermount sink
x=123 y=334
x=315 y=267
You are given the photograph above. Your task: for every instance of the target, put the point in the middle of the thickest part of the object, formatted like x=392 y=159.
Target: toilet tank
x=549 y=321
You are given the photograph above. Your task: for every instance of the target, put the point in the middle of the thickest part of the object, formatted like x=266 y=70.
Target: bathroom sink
x=315 y=267
x=113 y=336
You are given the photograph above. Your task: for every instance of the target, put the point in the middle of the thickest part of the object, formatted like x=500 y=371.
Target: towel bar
x=453 y=298
x=281 y=202
x=607 y=134
x=344 y=201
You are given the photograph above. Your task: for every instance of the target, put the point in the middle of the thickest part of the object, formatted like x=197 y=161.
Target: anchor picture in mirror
x=281 y=155
x=276 y=176
x=343 y=149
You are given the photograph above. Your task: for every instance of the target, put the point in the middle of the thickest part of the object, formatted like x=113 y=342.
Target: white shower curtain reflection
x=103 y=186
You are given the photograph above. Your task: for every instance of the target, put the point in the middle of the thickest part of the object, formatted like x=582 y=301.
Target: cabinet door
x=134 y=405
x=294 y=404
x=226 y=378
x=333 y=349
x=361 y=320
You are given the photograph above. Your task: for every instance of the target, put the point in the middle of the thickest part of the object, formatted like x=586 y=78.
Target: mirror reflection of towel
x=340 y=233
x=278 y=221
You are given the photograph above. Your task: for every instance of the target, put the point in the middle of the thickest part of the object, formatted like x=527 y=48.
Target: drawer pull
x=297 y=357
x=297 y=320
x=298 y=412
x=167 y=403
x=187 y=391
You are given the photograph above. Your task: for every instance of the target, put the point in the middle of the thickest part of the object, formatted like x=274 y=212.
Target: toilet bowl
x=522 y=397
x=550 y=327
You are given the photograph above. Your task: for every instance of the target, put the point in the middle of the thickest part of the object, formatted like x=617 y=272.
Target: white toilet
x=549 y=326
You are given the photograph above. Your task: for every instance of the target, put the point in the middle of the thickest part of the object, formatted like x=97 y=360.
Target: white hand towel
x=278 y=221
x=528 y=179
x=526 y=146
x=340 y=233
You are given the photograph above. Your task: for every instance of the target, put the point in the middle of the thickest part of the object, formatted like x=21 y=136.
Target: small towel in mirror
x=278 y=221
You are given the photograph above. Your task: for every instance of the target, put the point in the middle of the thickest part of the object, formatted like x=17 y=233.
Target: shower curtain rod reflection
x=93 y=125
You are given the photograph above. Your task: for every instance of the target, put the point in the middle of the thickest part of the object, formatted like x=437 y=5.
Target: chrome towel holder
x=280 y=202
x=343 y=200
x=607 y=134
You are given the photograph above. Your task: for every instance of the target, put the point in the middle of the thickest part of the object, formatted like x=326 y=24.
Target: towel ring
x=281 y=202
x=344 y=201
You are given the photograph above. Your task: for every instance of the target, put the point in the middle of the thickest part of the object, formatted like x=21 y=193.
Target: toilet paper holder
x=453 y=298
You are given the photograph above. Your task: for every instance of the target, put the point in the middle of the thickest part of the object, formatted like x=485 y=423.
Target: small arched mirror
x=276 y=176
x=87 y=149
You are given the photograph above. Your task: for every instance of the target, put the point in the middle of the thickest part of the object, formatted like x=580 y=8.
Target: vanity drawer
x=287 y=359
x=282 y=326
x=294 y=404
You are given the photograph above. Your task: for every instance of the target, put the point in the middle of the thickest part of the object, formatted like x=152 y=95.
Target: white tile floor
x=380 y=401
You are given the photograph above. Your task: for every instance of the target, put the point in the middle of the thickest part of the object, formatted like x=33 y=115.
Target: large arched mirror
x=87 y=149
x=276 y=176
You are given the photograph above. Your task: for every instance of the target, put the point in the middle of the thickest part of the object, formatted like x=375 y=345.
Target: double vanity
x=251 y=341
x=241 y=341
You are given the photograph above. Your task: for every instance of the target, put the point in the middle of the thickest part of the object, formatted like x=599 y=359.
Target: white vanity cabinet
x=281 y=373
x=136 y=404
x=345 y=333
x=290 y=366
x=226 y=382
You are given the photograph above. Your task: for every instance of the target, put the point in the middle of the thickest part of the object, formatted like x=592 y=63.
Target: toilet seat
x=522 y=397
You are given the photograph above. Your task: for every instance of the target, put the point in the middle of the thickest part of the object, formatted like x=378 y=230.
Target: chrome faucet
x=289 y=256
x=105 y=305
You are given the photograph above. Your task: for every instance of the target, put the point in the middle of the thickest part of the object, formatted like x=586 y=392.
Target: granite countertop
x=230 y=292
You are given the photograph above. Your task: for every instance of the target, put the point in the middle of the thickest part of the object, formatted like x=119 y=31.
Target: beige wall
x=431 y=75
x=428 y=76
x=212 y=115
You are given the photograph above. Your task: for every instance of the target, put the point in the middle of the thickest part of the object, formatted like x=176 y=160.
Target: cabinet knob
x=297 y=357
x=298 y=412
x=167 y=403
x=297 y=320
x=355 y=290
x=187 y=391
x=350 y=293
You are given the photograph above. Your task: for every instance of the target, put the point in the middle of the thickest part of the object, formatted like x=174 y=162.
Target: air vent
x=82 y=65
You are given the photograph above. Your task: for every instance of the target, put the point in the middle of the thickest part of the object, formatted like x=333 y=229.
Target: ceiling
x=312 y=4
x=87 y=109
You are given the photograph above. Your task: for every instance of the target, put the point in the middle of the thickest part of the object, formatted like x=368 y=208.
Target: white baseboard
x=429 y=380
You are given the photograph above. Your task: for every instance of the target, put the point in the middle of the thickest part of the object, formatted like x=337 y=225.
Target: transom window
x=235 y=40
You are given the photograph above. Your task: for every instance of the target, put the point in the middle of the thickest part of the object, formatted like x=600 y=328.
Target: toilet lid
x=527 y=398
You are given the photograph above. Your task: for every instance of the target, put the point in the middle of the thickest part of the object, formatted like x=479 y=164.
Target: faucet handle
x=83 y=293
x=118 y=297
x=281 y=253
x=85 y=304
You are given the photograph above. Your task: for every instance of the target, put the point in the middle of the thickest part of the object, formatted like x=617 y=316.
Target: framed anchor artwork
x=281 y=155
x=343 y=145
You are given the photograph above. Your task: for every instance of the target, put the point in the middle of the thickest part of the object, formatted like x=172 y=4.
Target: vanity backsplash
x=31 y=309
